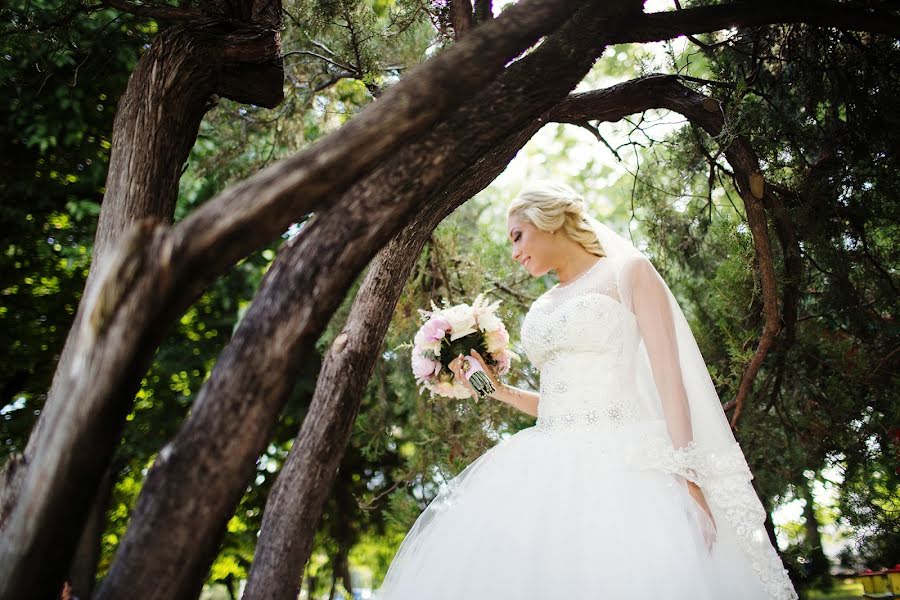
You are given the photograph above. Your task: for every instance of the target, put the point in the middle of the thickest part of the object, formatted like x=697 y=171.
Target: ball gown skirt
x=556 y=512
x=590 y=502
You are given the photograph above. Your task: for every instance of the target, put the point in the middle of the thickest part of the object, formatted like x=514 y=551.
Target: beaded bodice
x=583 y=340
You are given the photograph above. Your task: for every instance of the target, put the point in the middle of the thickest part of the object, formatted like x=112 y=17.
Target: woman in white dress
x=631 y=483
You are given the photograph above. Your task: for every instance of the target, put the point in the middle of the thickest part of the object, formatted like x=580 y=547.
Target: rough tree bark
x=818 y=561
x=793 y=278
x=461 y=16
x=156 y=125
x=175 y=532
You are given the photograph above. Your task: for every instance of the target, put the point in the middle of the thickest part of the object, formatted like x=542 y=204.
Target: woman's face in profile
x=531 y=247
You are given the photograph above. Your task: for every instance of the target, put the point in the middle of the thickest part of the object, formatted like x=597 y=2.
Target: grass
x=843 y=590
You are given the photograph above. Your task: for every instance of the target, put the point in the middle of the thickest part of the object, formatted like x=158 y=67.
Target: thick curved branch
x=658 y=26
x=793 y=277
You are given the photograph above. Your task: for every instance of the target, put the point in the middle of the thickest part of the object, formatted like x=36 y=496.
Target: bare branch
x=658 y=26
x=702 y=45
x=330 y=61
x=596 y=132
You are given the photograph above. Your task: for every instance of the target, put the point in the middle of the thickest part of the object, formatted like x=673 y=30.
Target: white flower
x=462 y=320
x=489 y=322
x=486 y=314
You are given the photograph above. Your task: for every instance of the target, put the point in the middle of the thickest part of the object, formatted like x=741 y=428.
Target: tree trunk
x=83 y=570
x=768 y=523
x=199 y=477
x=42 y=511
x=819 y=564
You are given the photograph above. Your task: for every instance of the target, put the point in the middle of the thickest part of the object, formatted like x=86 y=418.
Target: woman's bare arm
x=522 y=399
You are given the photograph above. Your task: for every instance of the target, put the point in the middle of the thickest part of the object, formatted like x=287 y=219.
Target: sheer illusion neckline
x=562 y=286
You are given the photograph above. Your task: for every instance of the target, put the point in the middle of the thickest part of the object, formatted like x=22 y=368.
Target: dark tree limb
x=461 y=17
x=793 y=279
x=157 y=119
x=183 y=260
x=83 y=570
x=483 y=10
x=658 y=26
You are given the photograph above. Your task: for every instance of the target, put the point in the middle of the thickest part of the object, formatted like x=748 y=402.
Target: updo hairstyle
x=551 y=206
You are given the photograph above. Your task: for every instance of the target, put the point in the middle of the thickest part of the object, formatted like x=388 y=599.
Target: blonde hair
x=549 y=206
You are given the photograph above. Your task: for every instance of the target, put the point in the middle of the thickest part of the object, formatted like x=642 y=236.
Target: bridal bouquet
x=456 y=330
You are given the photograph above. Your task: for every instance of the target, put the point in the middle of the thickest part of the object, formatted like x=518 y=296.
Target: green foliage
x=61 y=85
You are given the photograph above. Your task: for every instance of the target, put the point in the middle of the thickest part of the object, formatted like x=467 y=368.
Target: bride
x=630 y=484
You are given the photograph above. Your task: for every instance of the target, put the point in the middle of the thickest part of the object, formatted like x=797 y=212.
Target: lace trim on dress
x=724 y=477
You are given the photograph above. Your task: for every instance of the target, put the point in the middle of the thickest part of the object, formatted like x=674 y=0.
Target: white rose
x=461 y=319
x=489 y=321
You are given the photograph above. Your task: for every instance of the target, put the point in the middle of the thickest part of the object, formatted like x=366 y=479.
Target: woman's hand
x=458 y=367
x=710 y=530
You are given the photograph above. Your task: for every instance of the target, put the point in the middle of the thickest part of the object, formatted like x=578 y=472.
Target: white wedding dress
x=589 y=502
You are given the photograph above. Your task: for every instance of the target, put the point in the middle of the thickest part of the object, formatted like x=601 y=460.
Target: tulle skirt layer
x=560 y=514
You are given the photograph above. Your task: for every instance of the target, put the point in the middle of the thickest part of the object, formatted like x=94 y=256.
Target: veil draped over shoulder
x=675 y=385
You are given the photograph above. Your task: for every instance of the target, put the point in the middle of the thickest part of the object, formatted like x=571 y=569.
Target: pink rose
x=435 y=328
x=424 y=367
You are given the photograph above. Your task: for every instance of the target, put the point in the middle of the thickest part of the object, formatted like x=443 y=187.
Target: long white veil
x=713 y=458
